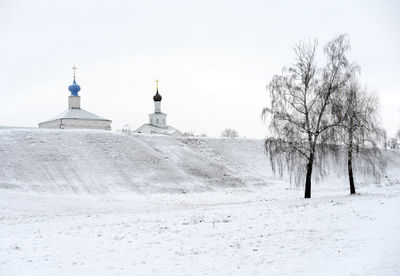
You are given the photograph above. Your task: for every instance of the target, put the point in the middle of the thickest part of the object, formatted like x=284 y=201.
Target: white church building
x=158 y=120
x=75 y=117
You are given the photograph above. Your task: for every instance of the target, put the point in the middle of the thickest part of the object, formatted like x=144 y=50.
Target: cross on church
x=74 y=69
x=157 y=84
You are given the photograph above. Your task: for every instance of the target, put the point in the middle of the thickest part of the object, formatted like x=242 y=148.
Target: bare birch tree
x=301 y=111
x=359 y=131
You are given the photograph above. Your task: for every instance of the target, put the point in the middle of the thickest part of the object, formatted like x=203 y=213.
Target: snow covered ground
x=98 y=203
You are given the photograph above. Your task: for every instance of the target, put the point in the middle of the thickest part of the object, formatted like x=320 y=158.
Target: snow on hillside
x=94 y=162
x=98 y=162
x=101 y=203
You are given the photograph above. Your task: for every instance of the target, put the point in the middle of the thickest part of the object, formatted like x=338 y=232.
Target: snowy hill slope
x=87 y=161
x=82 y=161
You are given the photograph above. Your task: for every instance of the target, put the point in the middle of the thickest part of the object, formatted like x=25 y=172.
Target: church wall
x=157 y=106
x=85 y=124
x=74 y=102
x=162 y=119
x=77 y=124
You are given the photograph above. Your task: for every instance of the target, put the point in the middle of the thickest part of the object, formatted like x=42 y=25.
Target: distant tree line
x=320 y=111
x=192 y=134
x=229 y=133
x=226 y=133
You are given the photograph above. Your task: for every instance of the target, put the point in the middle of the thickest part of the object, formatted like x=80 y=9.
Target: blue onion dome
x=157 y=97
x=74 y=88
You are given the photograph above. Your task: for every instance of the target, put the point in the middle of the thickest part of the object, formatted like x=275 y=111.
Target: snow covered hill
x=80 y=161
x=87 y=161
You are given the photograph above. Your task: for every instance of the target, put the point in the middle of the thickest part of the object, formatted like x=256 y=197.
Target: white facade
x=158 y=119
x=76 y=118
x=70 y=123
x=74 y=102
x=157 y=106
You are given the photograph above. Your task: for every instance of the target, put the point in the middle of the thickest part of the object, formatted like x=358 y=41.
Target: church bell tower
x=158 y=118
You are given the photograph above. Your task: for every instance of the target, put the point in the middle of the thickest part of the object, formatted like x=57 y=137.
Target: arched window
x=157 y=121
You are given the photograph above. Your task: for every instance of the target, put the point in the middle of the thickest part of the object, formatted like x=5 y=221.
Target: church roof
x=77 y=113
x=157 y=97
x=169 y=130
x=74 y=88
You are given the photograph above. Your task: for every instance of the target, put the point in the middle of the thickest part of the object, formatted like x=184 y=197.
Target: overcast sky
x=213 y=58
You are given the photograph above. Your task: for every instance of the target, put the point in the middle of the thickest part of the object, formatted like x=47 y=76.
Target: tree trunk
x=350 y=170
x=350 y=157
x=350 y=162
x=307 y=193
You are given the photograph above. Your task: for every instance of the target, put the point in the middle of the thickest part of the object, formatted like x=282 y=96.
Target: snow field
x=100 y=203
x=237 y=233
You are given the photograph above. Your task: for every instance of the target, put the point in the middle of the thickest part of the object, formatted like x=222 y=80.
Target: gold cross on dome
x=74 y=69
x=157 y=84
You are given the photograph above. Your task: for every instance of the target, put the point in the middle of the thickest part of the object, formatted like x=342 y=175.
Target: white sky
x=213 y=58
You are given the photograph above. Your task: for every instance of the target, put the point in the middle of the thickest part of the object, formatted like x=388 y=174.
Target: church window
x=157 y=121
